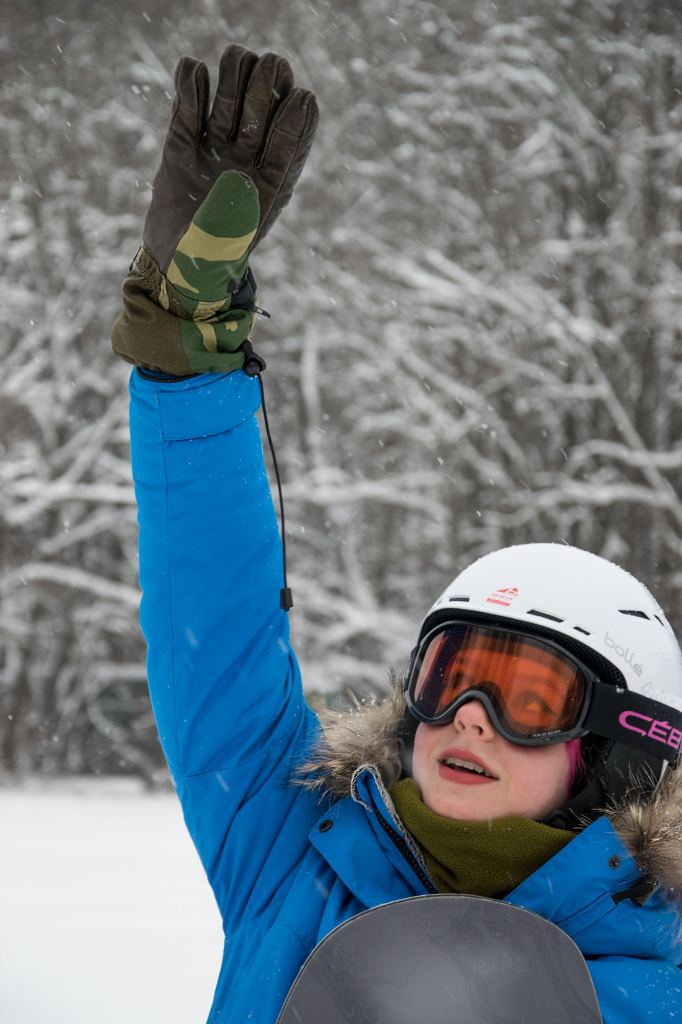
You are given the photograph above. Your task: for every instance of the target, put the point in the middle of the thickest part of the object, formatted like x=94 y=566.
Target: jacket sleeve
x=224 y=682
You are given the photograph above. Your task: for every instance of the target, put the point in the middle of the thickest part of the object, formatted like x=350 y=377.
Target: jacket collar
x=596 y=879
x=359 y=834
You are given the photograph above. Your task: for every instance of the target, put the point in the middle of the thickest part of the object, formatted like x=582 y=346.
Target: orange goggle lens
x=534 y=689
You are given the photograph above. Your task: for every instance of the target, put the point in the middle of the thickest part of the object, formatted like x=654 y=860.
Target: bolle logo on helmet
x=662 y=732
x=503 y=596
x=623 y=652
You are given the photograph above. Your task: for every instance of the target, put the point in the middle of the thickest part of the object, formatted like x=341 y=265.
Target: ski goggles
x=534 y=692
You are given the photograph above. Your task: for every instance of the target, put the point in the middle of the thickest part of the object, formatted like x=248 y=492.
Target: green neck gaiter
x=480 y=858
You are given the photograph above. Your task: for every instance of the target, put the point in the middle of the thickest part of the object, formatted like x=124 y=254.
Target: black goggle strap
x=636 y=721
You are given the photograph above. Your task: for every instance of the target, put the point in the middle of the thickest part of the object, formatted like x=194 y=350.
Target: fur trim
x=368 y=733
x=652 y=831
x=371 y=733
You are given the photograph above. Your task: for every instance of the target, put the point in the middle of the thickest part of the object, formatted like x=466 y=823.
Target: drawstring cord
x=253 y=367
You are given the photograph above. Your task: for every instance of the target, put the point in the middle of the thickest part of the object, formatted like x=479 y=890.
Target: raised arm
x=224 y=682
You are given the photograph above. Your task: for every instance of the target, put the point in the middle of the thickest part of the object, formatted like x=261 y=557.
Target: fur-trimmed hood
x=370 y=734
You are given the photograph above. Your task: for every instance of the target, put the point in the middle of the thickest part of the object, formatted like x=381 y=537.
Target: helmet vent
x=659 y=620
x=632 y=611
x=579 y=629
x=544 y=615
x=459 y=599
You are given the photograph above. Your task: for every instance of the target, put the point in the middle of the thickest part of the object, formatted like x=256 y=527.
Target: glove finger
x=270 y=83
x=291 y=134
x=285 y=153
x=236 y=65
x=190 y=108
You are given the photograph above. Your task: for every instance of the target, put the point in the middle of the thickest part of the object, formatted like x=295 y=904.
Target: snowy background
x=475 y=329
x=475 y=341
x=105 y=914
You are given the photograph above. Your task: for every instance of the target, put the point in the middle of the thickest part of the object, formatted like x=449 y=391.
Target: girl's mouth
x=464 y=771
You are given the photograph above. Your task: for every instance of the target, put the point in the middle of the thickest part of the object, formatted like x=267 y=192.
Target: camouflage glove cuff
x=194 y=318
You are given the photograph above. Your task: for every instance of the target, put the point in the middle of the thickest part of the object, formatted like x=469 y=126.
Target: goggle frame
x=577 y=730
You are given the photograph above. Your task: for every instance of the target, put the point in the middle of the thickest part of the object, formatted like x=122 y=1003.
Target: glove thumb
x=211 y=256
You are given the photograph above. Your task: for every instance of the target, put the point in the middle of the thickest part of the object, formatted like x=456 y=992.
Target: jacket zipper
x=404 y=849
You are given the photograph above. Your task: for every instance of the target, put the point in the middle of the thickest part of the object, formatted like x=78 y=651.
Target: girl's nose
x=473 y=716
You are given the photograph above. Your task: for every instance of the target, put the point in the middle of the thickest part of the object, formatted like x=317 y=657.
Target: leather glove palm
x=224 y=178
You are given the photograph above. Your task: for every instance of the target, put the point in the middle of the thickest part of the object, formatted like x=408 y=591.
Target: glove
x=189 y=300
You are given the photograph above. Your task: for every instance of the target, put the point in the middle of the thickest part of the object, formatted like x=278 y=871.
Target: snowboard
x=444 y=959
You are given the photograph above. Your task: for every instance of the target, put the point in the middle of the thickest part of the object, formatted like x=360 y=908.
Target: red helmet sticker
x=503 y=596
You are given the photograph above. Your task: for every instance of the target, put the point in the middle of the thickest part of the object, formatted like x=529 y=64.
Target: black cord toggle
x=253 y=363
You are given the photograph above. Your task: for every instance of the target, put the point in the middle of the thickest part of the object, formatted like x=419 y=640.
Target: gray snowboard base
x=444 y=959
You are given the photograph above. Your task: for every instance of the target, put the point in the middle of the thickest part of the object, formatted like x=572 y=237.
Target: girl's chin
x=467 y=807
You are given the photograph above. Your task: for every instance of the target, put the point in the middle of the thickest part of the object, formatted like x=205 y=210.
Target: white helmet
x=580 y=596
x=600 y=613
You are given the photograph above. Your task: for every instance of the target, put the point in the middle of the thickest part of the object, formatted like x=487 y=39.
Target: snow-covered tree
x=475 y=303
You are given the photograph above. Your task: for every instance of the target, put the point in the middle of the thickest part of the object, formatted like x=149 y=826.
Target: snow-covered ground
x=105 y=914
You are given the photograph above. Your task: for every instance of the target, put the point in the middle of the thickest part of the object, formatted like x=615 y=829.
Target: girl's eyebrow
x=543 y=680
x=458 y=674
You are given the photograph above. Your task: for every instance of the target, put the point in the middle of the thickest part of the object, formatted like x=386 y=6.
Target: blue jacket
x=287 y=865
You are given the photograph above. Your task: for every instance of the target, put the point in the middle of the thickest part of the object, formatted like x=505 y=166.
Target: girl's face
x=524 y=781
